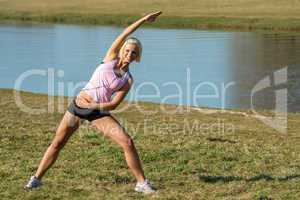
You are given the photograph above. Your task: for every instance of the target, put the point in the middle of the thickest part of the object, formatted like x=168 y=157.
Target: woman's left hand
x=152 y=16
x=85 y=102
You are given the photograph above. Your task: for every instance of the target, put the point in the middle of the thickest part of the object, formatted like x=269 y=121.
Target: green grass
x=183 y=161
x=217 y=14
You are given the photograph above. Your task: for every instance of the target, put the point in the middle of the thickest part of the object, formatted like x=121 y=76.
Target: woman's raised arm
x=113 y=51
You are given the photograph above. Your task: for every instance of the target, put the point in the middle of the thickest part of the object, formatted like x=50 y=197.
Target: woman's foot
x=145 y=187
x=33 y=183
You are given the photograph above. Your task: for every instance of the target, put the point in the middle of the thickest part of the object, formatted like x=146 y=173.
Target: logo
x=279 y=121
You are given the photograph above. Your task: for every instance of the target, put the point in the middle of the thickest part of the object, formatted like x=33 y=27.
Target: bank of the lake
x=237 y=15
x=188 y=155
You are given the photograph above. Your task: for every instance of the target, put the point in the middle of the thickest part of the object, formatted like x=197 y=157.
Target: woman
x=94 y=103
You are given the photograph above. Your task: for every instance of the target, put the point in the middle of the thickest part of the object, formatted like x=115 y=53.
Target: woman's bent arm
x=85 y=101
x=118 y=98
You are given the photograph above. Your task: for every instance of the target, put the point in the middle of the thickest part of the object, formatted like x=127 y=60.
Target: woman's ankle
x=39 y=177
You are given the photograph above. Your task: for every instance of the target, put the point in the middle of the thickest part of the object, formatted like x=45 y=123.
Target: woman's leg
x=67 y=126
x=111 y=128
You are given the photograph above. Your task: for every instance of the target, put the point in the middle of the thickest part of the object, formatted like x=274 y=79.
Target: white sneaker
x=33 y=183
x=144 y=187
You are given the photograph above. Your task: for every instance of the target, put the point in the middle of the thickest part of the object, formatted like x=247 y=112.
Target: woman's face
x=130 y=53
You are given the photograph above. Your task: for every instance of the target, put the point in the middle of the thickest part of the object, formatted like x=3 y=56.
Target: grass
x=225 y=14
x=184 y=159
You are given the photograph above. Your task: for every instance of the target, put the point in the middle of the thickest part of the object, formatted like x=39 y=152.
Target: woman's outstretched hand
x=152 y=16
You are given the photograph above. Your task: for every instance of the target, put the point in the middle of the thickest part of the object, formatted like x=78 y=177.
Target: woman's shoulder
x=107 y=65
x=110 y=61
x=129 y=77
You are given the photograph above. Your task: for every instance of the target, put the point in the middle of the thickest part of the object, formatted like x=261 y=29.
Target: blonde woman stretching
x=94 y=102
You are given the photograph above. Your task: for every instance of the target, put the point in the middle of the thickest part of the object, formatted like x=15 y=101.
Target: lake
x=205 y=68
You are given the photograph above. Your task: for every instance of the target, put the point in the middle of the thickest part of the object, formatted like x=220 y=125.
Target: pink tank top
x=104 y=82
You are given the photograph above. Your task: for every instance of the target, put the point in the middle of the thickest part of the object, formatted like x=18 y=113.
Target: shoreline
x=203 y=110
x=168 y=22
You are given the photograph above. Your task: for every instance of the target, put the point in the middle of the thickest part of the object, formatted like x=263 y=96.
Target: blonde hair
x=136 y=42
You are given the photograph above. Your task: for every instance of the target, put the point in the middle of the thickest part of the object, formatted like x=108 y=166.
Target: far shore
x=206 y=23
x=246 y=15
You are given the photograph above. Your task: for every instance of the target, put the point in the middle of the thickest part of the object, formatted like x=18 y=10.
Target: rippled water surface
x=194 y=67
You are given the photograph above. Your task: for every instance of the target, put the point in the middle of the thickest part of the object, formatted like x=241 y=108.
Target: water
x=188 y=67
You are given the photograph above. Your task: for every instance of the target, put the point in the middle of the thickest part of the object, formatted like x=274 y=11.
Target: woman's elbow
x=113 y=106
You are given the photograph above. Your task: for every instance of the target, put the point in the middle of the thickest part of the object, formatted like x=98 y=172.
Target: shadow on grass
x=226 y=179
x=211 y=139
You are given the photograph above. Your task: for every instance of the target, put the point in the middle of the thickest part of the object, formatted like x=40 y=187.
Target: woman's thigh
x=66 y=128
x=111 y=128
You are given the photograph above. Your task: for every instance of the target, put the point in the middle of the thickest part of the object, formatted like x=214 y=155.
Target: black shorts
x=86 y=113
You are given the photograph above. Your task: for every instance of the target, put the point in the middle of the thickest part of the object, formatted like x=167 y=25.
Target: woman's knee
x=127 y=144
x=59 y=141
x=57 y=145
